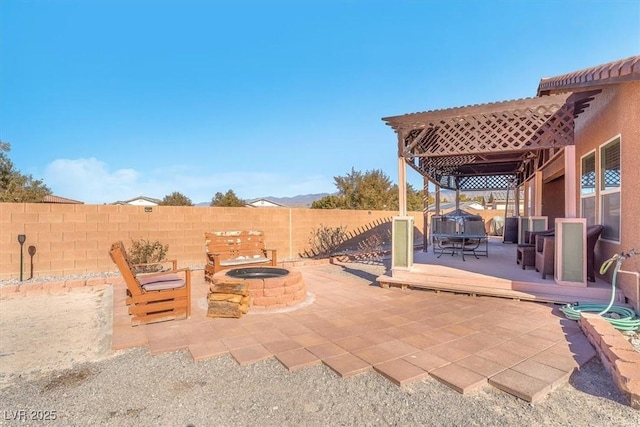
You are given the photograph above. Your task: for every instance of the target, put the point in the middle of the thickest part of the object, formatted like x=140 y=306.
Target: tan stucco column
x=425 y=214
x=537 y=194
x=402 y=179
x=570 y=180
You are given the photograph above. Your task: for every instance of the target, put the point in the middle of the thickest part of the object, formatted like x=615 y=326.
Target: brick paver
x=523 y=348
x=401 y=372
x=298 y=359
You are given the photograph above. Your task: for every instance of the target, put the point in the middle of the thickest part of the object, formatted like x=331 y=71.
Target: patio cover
x=489 y=146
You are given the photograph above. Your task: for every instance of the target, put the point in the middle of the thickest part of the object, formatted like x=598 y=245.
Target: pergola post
x=570 y=183
x=402 y=225
x=402 y=179
x=425 y=214
x=537 y=194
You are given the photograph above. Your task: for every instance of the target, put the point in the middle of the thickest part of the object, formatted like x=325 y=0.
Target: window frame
x=602 y=192
x=593 y=195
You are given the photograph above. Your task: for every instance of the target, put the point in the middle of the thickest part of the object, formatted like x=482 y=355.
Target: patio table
x=459 y=243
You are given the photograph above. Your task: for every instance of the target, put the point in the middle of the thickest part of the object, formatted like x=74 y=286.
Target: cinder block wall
x=75 y=239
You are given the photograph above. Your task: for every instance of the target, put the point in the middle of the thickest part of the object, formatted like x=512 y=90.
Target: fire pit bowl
x=257 y=272
x=269 y=287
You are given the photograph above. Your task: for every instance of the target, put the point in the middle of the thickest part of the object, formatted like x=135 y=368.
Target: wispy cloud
x=91 y=180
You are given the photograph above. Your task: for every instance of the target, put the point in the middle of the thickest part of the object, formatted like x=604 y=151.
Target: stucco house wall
x=616 y=111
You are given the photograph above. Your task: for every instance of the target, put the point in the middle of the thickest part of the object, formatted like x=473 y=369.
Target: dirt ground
x=40 y=334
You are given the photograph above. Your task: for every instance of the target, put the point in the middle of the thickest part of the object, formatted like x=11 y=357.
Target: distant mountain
x=299 y=201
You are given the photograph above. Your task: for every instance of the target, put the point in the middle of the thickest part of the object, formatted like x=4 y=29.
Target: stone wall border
x=616 y=354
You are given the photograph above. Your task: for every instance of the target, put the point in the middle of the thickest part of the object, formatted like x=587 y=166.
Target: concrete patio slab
x=251 y=354
x=347 y=365
x=298 y=359
x=520 y=385
x=426 y=361
x=480 y=365
x=401 y=372
x=326 y=350
x=552 y=376
x=207 y=350
x=459 y=378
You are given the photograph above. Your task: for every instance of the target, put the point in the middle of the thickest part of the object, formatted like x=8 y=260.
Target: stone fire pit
x=269 y=287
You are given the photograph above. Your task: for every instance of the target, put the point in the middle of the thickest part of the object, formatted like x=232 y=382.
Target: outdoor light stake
x=32 y=252
x=21 y=239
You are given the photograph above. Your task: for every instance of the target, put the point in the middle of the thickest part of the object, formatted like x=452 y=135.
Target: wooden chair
x=153 y=297
x=236 y=249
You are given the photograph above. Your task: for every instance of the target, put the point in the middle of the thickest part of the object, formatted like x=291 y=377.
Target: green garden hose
x=621 y=318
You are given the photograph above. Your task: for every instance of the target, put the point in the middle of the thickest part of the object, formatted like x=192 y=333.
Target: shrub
x=145 y=252
x=370 y=244
x=325 y=240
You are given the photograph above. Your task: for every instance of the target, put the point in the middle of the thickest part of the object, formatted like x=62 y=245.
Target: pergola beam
x=493 y=142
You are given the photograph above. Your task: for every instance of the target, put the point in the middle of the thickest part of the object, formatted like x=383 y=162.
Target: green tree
x=16 y=187
x=329 y=202
x=371 y=190
x=414 y=199
x=357 y=190
x=229 y=199
x=176 y=199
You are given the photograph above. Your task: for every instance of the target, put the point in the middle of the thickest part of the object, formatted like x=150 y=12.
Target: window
x=588 y=188
x=610 y=177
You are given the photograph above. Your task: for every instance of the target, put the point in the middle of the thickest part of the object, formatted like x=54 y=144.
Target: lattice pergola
x=488 y=146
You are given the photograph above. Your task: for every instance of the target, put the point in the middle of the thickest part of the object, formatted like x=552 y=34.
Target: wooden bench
x=236 y=249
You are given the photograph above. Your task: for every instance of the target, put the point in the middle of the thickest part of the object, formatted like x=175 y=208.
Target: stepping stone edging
x=616 y=354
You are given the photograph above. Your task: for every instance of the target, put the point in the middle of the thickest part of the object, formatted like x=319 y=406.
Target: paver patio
x=351 y=325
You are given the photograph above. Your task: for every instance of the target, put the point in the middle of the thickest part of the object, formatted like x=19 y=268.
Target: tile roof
x=57 y=199
x=619 y=71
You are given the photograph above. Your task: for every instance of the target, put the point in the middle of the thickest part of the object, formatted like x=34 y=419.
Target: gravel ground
x=133 y=388
x=136 y=389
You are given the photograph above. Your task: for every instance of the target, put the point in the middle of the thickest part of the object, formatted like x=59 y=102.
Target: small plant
x=145 y=252
x=371 y=244
x=325 y=240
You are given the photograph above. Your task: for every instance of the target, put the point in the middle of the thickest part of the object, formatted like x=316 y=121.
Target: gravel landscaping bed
x=171 y=389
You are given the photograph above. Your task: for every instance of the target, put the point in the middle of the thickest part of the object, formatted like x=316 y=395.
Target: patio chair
x=593 y=234
x=526 y=252
x=475 y=234
x=153 y=297
x=545 y=253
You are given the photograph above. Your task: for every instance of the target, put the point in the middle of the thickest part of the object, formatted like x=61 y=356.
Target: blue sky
x=108 y=100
